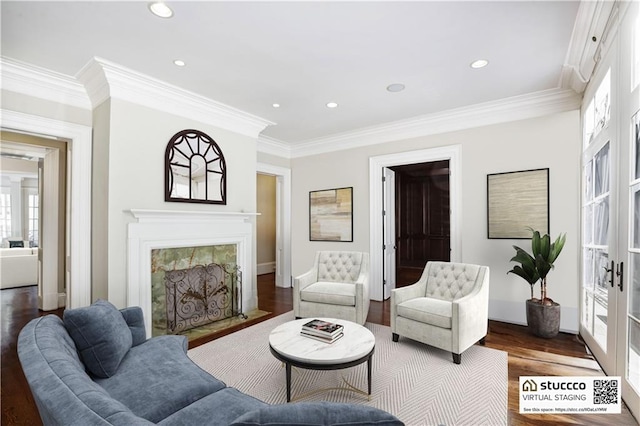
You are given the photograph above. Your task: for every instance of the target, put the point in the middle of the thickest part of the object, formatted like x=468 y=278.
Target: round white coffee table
x=354 y=348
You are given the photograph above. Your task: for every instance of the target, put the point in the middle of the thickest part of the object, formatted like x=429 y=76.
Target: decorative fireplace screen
x=202 y=294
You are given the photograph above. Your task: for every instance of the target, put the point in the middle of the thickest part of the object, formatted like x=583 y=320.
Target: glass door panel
x=596 y=274
x=632 y=373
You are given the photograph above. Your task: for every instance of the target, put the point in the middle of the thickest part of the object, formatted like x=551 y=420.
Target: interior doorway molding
x=453 y=153
x=78 y=137
x=283 y=221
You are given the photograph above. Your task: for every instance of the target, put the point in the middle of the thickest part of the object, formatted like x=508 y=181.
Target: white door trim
x=79 y=149
x=389 y=236
x=283 y=218
x=453 y=153
x=48 y=262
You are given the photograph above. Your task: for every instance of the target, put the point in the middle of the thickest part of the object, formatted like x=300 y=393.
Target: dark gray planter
x=543 y=320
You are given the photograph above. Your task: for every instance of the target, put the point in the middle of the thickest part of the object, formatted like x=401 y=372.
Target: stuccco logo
x=529 y=386
x=532 y=386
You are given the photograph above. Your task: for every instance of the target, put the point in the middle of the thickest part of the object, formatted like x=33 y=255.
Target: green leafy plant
x=535 y=267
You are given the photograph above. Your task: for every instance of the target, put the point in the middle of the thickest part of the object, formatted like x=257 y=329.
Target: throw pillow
x=101 y=335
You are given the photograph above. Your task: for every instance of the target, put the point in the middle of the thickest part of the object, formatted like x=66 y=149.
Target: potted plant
x=543 y=315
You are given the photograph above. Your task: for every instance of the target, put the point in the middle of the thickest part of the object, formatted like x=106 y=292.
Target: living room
x=131 y=116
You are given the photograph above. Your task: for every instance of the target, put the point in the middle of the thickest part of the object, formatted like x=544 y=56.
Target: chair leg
x=482 y=341
x=457 y=358
x=395 y=336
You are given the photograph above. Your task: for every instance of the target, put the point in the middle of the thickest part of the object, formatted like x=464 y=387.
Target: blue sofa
x=96 y=367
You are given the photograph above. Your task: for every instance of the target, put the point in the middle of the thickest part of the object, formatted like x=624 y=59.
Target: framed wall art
x=331 y=215
x=516 y=202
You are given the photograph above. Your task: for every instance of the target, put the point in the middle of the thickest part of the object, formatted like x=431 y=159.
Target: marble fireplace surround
x=161 y=229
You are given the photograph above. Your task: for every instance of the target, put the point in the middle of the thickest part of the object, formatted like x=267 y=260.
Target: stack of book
x=322 y=330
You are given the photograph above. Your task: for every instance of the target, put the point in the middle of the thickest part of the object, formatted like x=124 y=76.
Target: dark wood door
x=422 y=218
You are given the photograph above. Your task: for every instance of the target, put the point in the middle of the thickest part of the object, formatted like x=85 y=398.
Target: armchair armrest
x=470 y=316
x=402 y=294
x=300 y=282
x=305 y=280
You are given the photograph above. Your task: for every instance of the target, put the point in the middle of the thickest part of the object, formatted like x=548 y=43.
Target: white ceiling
x=302 y=55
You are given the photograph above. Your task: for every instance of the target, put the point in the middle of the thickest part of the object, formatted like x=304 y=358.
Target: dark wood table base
x=308 y=366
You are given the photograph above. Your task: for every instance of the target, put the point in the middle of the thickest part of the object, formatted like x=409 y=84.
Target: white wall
x=551 y=141
x=44 y=108
x=137 y=139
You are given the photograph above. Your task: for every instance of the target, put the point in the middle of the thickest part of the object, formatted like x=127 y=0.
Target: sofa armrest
x=317 y=413
x=135 y=320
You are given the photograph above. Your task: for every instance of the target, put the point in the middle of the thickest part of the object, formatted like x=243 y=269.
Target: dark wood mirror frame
x=195 y=169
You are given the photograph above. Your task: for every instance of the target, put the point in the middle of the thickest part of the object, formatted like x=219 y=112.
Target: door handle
x=610 y=271
x=620 y=274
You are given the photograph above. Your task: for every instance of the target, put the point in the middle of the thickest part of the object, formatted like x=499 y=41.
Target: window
x=32 y=219
x=5 y=213
x=598 y=113
x=635 y=72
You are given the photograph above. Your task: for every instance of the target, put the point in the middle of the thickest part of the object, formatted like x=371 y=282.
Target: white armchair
x=336 y=287
x=447 y=308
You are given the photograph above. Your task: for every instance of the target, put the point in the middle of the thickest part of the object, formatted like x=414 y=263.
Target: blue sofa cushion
x=101 y=335
x=220 y=408
x=157 y=379
x=317 y=414
x=135 y=320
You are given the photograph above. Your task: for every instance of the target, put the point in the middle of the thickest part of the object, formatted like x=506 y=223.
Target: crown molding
x=42 y=83
x=593 y=20
x=273 y=146
x=504 y=110
x=104 y=79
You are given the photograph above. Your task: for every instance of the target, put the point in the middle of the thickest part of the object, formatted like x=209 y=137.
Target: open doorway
x=266 y=223
x=382 y=287
x=276 y=202
x=34 y=221
x=421 y=218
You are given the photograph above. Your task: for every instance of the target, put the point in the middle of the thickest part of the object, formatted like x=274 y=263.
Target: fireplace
x=185 y=244
x=194 y=286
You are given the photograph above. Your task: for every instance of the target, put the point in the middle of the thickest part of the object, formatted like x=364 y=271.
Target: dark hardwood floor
x=564 y=355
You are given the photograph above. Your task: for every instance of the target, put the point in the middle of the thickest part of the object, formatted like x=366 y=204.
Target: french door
x=610 y=288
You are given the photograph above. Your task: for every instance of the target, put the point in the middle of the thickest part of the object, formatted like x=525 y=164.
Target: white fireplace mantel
x=161 y=229
x=182 y=216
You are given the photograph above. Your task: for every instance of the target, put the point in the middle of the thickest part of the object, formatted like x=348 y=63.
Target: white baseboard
x=515 y=313
x=62 y=300
x=266 y=268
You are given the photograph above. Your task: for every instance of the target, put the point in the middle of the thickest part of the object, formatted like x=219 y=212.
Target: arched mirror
x=195 y=171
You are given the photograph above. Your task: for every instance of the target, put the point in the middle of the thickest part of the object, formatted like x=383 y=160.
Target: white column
x=16 y=208
x=48 y=250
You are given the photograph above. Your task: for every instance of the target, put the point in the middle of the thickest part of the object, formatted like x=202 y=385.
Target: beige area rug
x=417 y=383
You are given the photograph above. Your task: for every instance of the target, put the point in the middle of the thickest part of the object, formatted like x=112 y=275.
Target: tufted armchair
x=336 y=287
x=447 y=308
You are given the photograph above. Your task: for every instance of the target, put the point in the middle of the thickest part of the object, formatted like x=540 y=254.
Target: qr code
x=605 y=391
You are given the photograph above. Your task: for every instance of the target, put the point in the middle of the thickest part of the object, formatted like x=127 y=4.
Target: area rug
x=417 y=383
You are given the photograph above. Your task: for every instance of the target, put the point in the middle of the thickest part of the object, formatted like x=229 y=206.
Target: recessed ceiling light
x=395 y=87
x=332 y=105
x=160 y=9
x=179 y=63
x=276 y=105
x=480 y=63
